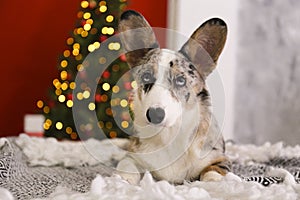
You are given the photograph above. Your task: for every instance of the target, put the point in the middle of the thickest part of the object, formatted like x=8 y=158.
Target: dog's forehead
x=166 y=57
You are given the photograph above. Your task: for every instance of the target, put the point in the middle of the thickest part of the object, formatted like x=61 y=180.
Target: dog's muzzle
x=155 y=115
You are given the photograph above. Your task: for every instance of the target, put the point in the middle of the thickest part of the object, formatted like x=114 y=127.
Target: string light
x=79 y=14
x=61 y=98
x=80 y=67
x=72 y=85
x=70 y=103
x=84 y=4
x=109 y=18
x=79 y=96
x=73 y=136
x=84 y=34
x=87 y=15
x=92 y=106
x=89 y=21
x=114 y=46
x=101 y=124
x=102 y=60
x=58 y=92
x=59 y=125
x=134 y=84
x=115 y=89
x=46 y=109
x=113 y=134
x=108 y=125
x=40 y=104
x=104 y=98
x=78 y=57
x=86 y=94
x=91 y=48
x=70 y=41
x=64 y=86
x=105 y=86
x=103 y=9
x=125 y=124
x=87 y=27
x=102 y=3
x=69 y=130
x=63 y=75
x=124 y=103
x=67 y=53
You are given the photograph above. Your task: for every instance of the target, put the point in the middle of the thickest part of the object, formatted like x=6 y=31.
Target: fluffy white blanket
x=50 y=152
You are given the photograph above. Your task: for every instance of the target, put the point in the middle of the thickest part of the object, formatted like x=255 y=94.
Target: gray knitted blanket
x=27 y=172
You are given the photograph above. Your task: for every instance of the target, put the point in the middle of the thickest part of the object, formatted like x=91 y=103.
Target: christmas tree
x=97 y=22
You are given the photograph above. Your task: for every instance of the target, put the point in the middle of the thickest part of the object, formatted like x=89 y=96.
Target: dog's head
x=169 y=83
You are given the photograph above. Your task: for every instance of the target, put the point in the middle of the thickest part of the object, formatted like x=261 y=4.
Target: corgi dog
x=176 y=138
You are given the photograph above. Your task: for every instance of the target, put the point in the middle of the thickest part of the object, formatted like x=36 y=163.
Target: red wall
x=32 y=37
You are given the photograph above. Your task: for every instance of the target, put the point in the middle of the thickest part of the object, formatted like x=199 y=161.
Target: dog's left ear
x=137 y=37
x=205 y=45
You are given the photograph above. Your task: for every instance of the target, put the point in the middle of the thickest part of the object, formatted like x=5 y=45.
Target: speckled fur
x=194 y=128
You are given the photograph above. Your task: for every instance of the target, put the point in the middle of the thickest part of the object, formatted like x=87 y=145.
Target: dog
x=176 y=138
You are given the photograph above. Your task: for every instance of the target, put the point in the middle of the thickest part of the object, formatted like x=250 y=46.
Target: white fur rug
x=49 y=153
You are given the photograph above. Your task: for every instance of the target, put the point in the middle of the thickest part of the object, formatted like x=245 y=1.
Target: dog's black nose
x=155 y=115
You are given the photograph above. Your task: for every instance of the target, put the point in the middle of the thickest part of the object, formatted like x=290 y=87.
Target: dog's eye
x=180 y=81
x=147 y=78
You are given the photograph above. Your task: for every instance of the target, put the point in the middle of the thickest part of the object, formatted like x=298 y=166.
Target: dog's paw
x=131 y=178
x=212 y=176
x=128 y=171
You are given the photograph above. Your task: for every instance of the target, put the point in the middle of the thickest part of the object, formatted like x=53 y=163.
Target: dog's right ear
x=137 y=37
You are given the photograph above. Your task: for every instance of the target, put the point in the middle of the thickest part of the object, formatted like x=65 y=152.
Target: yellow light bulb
x=86 y=94
x=103 y=8
x=72 y=85
x=46 y=109
x=76 y=46
x=87 y=27
x=84 y=4
x=134 y=84
x=92 y=106
x=61 y=98
x=40 y=104
x=109 y=18
x=89 y=21
x=64 y=86
x=79 y=96
x=63 y=75
x=84 y=34
x=87 y=15
x=124 y=103
x=115 y=89
x=70 y=41
x=70 y=103
x=102 y=60
x=59 y=125
x=69 y=130
x=106 y=86
x=91 y=48
x=110 y=31
x=67 y=53
x=97 y=45
x=124 y=124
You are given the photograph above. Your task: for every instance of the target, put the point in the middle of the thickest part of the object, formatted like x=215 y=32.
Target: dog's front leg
x=216 y=171
x=128 y=170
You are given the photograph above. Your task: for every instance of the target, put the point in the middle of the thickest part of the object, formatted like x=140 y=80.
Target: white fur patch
x=212 y=176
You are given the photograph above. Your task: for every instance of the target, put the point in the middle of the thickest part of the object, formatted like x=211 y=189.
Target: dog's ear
x=205 y=45
x=137 y=37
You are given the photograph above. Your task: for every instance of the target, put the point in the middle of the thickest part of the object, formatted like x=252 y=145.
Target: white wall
x=185 y=16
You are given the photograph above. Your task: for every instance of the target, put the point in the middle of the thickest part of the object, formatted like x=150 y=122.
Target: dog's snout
x=155 y=115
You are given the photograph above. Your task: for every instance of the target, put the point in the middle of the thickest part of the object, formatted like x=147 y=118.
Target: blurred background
x=259 y=66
